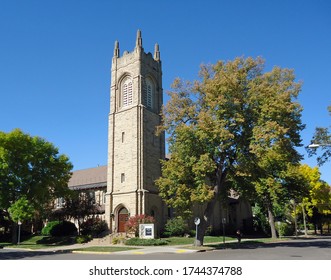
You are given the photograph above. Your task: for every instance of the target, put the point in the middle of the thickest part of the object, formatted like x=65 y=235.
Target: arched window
x=148 y=93
x=127 y=92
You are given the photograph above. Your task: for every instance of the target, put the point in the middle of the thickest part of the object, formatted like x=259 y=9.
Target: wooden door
x=122 y=219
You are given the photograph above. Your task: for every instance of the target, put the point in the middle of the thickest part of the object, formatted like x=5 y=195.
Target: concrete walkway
x=140 y=250
x=145 y=250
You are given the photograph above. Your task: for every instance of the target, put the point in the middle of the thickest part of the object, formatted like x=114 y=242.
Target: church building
x=126 y=186
x=134 y=151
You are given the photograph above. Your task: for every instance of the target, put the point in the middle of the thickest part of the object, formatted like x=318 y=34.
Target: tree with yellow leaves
x=235 y=128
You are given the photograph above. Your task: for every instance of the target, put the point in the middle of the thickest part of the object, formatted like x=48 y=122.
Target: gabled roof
x=88 y=178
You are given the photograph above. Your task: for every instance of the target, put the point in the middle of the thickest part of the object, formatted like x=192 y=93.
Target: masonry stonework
x=134 y=151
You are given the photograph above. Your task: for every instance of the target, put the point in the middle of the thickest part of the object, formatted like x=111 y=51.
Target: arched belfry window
x=148 y=93
x=127 y=92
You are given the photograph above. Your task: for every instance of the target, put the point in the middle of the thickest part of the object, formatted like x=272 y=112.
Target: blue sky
x=55 y=58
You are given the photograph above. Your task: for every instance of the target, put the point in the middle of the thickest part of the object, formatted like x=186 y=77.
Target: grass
x=211 y=242
x=39 y=242
x=173 y=241
x=105 y=249
x=244 y=243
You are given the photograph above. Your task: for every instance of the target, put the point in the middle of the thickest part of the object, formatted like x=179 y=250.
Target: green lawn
x=105 y=249
x=172 y=241
x=38 y=241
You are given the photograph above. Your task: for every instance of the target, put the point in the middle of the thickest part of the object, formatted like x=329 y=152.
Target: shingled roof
x=88 y=178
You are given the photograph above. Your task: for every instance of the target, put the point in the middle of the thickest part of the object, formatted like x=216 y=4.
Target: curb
x=91 y=252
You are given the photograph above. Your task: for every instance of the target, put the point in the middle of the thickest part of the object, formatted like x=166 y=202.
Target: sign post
x=19 y=232
x=197 y=222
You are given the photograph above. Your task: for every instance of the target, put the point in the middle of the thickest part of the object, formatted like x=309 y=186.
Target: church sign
x=146 y=231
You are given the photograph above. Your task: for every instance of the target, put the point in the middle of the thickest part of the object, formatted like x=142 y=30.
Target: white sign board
x=146 y=231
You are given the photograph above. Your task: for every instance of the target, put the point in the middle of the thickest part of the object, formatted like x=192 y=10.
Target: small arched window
x=127 y=92
x=148 y=93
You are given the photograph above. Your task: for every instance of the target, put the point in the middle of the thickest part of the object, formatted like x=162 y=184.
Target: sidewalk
x=144 y=250
x=140 y=250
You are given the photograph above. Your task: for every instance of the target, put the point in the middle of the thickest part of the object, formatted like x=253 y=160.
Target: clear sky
x=55 y=58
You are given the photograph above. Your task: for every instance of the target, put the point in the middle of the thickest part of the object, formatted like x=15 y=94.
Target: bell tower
x=134 y=150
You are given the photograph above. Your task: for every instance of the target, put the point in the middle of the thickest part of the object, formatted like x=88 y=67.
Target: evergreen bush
x=59 y=228
x=47 y=229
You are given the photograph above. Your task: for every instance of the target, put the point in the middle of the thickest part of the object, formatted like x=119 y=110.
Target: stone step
x=106 y=240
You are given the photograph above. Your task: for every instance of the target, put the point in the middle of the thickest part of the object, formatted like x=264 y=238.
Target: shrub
x=118 y=240
x=145 y=242
x=59 y=228
x=47 y=229
x=83 y=238
x=285 y=229
x=132 y=225
x=93 y=226
x=176 y=227
x=65 y=228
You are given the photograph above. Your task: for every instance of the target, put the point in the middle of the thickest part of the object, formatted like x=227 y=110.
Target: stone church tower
x=134 y=151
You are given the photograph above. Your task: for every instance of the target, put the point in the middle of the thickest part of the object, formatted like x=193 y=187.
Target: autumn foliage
x=132 y=225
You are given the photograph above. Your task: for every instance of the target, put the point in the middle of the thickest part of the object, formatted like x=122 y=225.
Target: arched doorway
x=123 y=216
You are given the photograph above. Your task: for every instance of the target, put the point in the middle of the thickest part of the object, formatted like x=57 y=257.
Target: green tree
x=275 y=186
x=322 y=136
x=80 y=206
x=317 y=203
x=319 y=191
x=32 y=168
x=21 y=210
x=221 y=127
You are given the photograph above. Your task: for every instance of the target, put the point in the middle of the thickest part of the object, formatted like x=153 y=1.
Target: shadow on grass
x=294 y=243
x=56 y=241
x=37 y=242
x=16 y=255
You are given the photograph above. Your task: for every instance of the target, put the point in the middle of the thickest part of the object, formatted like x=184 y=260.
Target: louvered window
x=127 y=96
x=148 y=93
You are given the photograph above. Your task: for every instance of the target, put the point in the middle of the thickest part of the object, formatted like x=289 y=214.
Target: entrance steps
x=109 y=239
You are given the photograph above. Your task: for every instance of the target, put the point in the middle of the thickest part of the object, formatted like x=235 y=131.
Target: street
x=301 y=249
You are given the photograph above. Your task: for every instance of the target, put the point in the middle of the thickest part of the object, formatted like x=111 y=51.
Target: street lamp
x=316 y=145
x=19 y=232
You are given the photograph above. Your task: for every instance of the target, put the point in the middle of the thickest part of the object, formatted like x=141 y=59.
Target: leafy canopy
x=319 y=195
x=236 y=128
x=322 y=136
x=31 y=167
x=21 y=210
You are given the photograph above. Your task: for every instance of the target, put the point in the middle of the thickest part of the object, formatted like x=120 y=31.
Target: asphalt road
x=302 y=249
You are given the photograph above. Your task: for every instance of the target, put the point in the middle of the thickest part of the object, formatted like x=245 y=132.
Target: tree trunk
x=200 y=233
x=14 y=235
x=295 y=220
x=272 y=223
x=204 y=222
x=304 y=219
